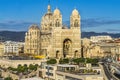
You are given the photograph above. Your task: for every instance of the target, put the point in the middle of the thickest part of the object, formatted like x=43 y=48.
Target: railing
x=112 y=75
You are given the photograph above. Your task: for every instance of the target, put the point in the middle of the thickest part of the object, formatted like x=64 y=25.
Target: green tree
x=32 y=67
x=52 y=61
x=36 y=65
x=89 y=60
x=8 y=78
x=25 y=68
x=64 y=61
x=9 y=68
x=19 y=68
x=79 y=60
x=95 y=61
x=22 y=68
x=13 y=69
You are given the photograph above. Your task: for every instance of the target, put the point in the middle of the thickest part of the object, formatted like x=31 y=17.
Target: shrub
x=52 y=61
x=64 y=61
x=32 y=67
x=79 y=60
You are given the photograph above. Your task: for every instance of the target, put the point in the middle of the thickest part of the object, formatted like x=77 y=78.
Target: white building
x=69 y=72
x=12 y=47
x=100 y=38
x=48 y=71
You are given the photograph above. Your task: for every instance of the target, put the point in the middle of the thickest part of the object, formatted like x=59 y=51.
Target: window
x=49 y=74
x=46 y=67
x=51 y=68
x=76 y=23
x=57 y=24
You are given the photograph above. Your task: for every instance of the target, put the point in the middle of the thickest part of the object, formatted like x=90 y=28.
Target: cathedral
x=52 y=39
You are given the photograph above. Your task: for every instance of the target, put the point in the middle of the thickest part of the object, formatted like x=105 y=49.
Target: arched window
x=57 y=24
x=57 y=54
x=50 y=24
x=76 y=23
x=75 y=54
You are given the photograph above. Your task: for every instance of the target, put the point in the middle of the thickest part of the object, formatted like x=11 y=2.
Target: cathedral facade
x=53 y=39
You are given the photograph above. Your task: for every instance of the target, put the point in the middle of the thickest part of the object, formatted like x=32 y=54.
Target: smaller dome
x=34 y=27
x=75 y=12
x=57 y=11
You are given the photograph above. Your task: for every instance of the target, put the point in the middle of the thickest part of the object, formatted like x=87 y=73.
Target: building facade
x=11 y=47
x=32 y=40
x=54 y=39
x=70 y=72
x=92 y=50
x=1 y=49
x=100 y=38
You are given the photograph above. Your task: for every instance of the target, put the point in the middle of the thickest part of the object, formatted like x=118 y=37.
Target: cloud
x=113 y=30
x=98 y=22
x=95 y=22
x=15 y=25
x=85 y=23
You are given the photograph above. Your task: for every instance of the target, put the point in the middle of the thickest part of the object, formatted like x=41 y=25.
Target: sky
x=96 y=15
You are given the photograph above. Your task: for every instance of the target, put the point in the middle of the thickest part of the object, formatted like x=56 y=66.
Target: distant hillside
x=12 y=35
x=88 y=34
x=19 y=36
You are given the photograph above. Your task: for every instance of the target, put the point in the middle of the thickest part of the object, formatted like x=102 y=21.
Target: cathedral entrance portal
x=67 y=47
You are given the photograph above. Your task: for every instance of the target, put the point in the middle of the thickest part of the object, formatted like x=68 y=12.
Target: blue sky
x=96 y=15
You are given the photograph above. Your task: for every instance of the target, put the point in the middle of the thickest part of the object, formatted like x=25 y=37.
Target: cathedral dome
x=75 y=12
x=34 y=27
x=56 y=11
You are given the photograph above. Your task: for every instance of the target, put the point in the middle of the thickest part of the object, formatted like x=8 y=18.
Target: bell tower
x=75 y=20
x=57 y=18
x=75 y=27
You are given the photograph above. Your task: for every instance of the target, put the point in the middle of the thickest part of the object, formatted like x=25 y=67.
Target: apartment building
x=100 y=38
x=12 y=47
x=70 y=72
